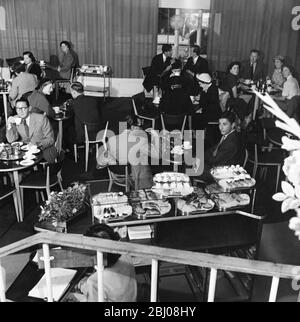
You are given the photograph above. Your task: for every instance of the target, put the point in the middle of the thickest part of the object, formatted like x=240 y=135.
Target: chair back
x=173 y=120
x=91 y=130
x=102 y=138
x=146 y=70
x=121 y=180
x=138 y=101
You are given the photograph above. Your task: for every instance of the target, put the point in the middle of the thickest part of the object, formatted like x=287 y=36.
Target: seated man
x=175 y=99
x=229 y=150
x=120 y=283
x=160 y=67
x=253 y=68
x=31 y=128
x=84 y=108
x=131 y=147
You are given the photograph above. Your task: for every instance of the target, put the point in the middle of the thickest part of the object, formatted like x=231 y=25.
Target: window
x=188 y=23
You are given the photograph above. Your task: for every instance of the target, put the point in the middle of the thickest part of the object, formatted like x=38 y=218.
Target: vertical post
x=274 y=289
x=176 y=38
x=46 y=254
x=100 y=276
x=199 y=29
x=212 y=285
x=2 y=283
x=154 y=280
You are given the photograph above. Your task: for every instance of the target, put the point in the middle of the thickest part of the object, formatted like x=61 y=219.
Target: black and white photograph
x=149 y=154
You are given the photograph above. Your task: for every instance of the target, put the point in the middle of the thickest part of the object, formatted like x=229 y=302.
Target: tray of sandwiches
x=172 y=184
x=230 y=201
x=196 y=203
x=232 y=178
x=111 y=207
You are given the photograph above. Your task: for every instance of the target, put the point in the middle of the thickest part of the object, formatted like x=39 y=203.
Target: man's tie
x=218 y=146
x=252 y=71
x=26 y=128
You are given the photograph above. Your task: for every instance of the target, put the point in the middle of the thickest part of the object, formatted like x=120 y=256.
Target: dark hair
x=196 y=50
x=228 y=115
x=30 y=55
x=233 y=64
x=67 y=43
x=166 y=47
x=131 y=121
x=77 y=87
x=22 y=99
x=291 y=68
x=255 y=51
x=18 y=67
x=177 y=64
x=45 y=82
x=105 y=232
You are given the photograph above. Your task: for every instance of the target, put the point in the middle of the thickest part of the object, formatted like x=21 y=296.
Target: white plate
x=27 y=162
x=17 y=143
x=29 y=157
x=35 y=151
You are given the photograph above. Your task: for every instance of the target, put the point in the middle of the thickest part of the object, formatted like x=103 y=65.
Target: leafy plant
x=63 y=205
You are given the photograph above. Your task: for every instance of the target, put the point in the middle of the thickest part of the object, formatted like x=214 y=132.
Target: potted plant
x=62 y=207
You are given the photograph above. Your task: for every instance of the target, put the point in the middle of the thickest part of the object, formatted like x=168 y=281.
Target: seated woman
x=32 y=67
x=277 y=76
x=231 y=84
x=290 y=97
x=120 y=283
x=38 y=100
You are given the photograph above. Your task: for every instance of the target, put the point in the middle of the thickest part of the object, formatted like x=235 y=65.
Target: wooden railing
x=212 y=262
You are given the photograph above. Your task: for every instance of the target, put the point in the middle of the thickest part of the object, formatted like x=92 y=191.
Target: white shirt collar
x=225 y=136
x=164 y=57
x=195 y=59
x=289 y=77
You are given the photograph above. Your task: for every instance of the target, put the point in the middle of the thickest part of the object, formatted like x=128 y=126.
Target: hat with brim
x=204 y=78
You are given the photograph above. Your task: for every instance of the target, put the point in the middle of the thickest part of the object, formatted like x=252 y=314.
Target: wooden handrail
x=157 y=253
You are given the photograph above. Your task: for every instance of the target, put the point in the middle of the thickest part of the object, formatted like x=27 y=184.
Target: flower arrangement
x=62 y=206
x=290 y=195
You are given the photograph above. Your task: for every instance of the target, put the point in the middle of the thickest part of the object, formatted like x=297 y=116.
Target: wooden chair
x=142 y=113
x=7 y=191
x=43 y=179
x=64 y=82
x=91 y=131
x=173 y=120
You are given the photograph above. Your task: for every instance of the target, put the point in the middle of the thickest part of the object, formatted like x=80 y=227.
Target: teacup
x=18 y=120
x=187 y=145
x=56 y=109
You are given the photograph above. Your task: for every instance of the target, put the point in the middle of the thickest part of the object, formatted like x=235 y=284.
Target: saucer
x=27 y=162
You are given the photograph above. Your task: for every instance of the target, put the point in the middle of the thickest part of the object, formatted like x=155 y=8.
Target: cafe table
x=15 y=167
x=60 y=118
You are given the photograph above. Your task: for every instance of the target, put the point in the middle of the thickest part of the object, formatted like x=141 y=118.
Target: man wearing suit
x=227 y=152
x=85 y=110
x=253 y=69
x=160 y=68
x=31 y=128
x=195 y=65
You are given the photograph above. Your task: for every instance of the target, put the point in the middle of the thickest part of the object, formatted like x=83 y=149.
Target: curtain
x=237 y=26
x=119 y=33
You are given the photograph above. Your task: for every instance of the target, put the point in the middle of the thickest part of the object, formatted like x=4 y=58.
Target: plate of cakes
x=172 y=184
x=196 y=203
x=226 y=201
x=151 y=208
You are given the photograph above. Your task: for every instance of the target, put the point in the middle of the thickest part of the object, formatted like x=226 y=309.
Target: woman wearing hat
x=277 y=76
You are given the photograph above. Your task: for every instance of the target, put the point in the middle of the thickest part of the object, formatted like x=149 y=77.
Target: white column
x=46 y=254
x=176 y=39
x=100 y=276
x=212 y=285
x=274 y=289
x=2 y=283
x=199 y=29
x=154 y=280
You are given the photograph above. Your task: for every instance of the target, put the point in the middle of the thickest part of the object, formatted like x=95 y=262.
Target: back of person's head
x=44 y=82
x=131 y=121
x=30 y=55
x=166 y=48
x=66 y=43
x=77 y=87
x=177 y=64
x=196 y=50
x=233 y=64
x=105 y=232
x=18 y=68
x=228 y=115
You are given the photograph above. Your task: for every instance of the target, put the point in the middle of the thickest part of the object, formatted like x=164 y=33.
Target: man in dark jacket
x=160 y=67
x=85 y=110
x=253 y=68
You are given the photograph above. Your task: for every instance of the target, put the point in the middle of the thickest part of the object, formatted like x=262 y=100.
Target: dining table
x=15 y=167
